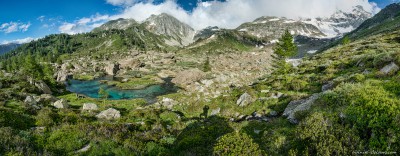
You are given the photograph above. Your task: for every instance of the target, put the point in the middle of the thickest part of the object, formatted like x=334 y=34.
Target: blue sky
x=28 y=19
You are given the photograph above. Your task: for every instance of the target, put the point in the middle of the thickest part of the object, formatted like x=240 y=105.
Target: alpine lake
x=91 y=89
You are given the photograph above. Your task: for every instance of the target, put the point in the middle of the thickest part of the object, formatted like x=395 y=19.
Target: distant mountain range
x=8 y=47
x=165 y=32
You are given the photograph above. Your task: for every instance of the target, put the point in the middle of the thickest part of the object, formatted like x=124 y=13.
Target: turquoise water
x=91 y=89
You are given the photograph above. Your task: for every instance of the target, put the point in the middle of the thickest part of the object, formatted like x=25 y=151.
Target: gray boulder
x=48 y=98
x=244 y=100
x=273 y=113
x=330 y=85
x=109 y=114
x=112 y=68
x=89 y=107
x=390 y=68
x=62 y=76
x=43 y=87
x=168 y=103
x=31 y=102
x=299 y=105
x=187 y=77
x=60 y=104
x=215 y=111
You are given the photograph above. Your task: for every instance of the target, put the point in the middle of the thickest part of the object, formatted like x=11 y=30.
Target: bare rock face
x=60 y=104
x=112 y=68
x=330 y=85
x=48 y=98
x=43 y=87
x=299 y=105
x=244 y=100
x=168 y=103
x=166 y=74
x=390 y=68
x=31 y=102
x=187 y=77
x=62 y=76
x=215 y=111
x=109 y=114
x=89 y=107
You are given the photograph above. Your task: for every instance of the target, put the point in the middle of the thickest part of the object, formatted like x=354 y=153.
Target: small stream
x=91 y=89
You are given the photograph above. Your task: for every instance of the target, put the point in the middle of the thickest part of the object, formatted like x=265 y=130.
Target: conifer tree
x=286 y=46
x=284 y=49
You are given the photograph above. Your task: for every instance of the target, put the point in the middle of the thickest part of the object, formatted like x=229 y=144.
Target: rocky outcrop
x=112 y=68
x=215 y=111
x=60 y=104
x=62 y=76
x=43 y=87
x=330 y=85
x=166 y=74
x=109 y=114
x=168 y=103
x=31 y=102
x=390 y=68
x=187 y=77
x=244 y=100
x=89 y=107
x=45 y=98
x=299 y=105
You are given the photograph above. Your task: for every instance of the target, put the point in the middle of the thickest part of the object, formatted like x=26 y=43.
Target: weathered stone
x=31 y=102
x=390 y=68
x=299 y=105
x=89 y=107
x=60 y=104
x=244 y=100
x=207 y=83
x=168 y=103
x=276 y=95
x=62 y=76
x=166 y=74
x=109 y=114
x=273 y=113
x=112 y=68
x=330 y=85
x=84 y=149
x=48 y=98
x=187 y=77
x=43 y=87
x=215 y=111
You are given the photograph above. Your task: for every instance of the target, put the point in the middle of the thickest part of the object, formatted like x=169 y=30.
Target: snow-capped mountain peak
x=340 y=22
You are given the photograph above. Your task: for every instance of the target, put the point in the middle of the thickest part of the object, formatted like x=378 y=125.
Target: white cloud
x=84 y=24
x=20 y=41
x=121 y=2
x=41 y=18
x=14 y=27
x=232 y=13
x=229 y=14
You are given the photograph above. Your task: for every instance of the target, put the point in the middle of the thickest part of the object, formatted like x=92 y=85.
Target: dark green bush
x=236 y=143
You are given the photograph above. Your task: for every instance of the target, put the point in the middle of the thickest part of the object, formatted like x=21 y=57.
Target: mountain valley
x=316 y=86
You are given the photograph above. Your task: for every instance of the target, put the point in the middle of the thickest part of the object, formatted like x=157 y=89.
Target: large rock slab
x=244 y=100
x=43 y=87
x=187 y=77
x=390 y=68
x=168 y=103
x=62 y=76
x=109 y=114
x=299 y=105
x=31 y=102
x=112 y=68
x=60 y=104
x=89 y=107
x=47 y=98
